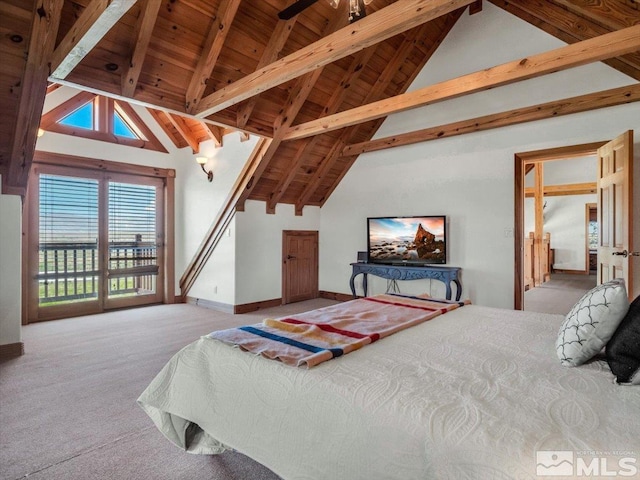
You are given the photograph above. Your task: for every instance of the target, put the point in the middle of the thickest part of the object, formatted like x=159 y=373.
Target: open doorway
x=552 y=188
x=615 y=199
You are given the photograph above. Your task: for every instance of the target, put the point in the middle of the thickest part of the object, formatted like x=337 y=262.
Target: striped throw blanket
x=310 y=338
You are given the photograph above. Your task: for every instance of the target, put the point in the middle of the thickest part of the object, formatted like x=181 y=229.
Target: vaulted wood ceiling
x=315 y=85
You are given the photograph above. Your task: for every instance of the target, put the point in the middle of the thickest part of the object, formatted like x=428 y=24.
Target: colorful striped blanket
x=310 y=338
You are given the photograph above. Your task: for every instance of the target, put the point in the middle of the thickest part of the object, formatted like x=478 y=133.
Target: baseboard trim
x=340 y=297
x=210 y=304
x=571 y=272
x=252 y=307
x=11 y=350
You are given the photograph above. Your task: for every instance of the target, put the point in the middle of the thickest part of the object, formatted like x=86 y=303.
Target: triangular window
x=101 y=118
x=81 y=118
x=121 y=128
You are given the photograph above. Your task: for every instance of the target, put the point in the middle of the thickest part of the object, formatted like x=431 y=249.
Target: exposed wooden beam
x=92 y=25
x=142 y=37
x=215 y=133
x=582 y=103
x=33 y=89
x=297 y=96
x=181 y=125
x=559 y=22
x=276 y=43
x=612 y=14
x=563 y=190
x=162 y=118
x=349 y=78
x=218 y=31
x=385 y=23
x=581 y=53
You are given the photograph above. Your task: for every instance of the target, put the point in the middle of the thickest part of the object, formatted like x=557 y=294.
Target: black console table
x=402 y=272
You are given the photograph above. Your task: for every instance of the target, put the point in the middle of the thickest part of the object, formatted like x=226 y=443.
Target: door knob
x=634 y=254
x=291 y=257
x=623 y=253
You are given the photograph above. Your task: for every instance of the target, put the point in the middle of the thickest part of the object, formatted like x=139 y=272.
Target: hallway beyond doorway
x=559 y=294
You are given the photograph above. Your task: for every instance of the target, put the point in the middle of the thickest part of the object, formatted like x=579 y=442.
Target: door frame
x=520 y=161
x=315 y=235
x=92 y=167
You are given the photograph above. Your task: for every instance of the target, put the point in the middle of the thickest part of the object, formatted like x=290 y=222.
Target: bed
x=476 y=393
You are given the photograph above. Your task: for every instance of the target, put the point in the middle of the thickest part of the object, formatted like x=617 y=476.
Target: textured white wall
x=469 y=178
x=259 y=248
x=10 y=265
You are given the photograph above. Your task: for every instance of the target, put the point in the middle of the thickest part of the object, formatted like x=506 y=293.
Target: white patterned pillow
x=591 y=323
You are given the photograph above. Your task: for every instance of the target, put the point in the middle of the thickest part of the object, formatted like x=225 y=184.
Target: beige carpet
x=68 y=406
x=559 y=294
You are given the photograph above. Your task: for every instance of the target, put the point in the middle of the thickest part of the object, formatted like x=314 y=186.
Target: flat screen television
x=407 y=240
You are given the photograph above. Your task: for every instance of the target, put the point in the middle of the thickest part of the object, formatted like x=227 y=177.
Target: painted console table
x=447 y=275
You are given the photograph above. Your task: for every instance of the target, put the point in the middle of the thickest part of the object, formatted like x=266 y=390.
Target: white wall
x=10 y=265
x=198 y=203
x=468 y=178
x=259 y=248
x=564 y=216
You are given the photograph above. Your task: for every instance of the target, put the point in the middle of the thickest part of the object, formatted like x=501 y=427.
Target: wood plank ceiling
x=304 y=82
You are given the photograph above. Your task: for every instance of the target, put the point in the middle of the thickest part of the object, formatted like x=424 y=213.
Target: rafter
x=274 y=47
x=377 y=91
x=214 y=132
x=612 y=14
x=561 y=23
x=563 y=190
x=567 y=106
x=297 y=96
x=181 y=125
x=33 y=89
x=212 y=47
x=93 y=24
x=142 y=37
x=349 y=78
x=581 y=53
x=165 y=124
x=385 y=23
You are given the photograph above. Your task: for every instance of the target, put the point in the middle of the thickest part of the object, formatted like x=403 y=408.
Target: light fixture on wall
x=202 y=161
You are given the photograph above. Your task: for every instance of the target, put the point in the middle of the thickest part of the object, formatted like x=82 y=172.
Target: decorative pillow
x=623 y=350
x=591 y=323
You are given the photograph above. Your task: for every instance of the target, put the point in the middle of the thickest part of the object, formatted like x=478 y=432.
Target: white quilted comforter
x=472 y=394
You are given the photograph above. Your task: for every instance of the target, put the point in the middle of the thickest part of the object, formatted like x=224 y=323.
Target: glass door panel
x=68 y=262
x=134 y=230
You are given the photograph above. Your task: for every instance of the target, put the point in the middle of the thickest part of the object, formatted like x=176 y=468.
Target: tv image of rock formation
x=424 y=246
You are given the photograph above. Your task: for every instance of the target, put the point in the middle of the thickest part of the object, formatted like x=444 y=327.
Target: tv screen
x=407 y=240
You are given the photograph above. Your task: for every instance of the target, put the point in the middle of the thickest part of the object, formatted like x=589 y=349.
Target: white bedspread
x=472 y=394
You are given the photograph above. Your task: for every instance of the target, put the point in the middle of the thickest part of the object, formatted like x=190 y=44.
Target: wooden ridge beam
x=385 y=23
x=92 y=25
x=581 y=53
x=210 y=52
x=33 y=90
x=142 y=37
x=567 y=106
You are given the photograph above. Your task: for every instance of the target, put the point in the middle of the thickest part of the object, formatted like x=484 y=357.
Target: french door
x=96 y=241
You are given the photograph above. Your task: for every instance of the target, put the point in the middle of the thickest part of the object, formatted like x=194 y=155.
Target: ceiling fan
x=356 y=8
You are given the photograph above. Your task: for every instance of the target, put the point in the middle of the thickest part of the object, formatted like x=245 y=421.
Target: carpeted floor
x=559 y=294
x=68 y=406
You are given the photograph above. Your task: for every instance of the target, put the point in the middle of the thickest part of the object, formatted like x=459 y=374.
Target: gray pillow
x=591 y=323
x=623 y=350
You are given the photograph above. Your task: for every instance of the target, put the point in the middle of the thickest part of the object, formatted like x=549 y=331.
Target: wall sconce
x=40 y=132
x=202 y=161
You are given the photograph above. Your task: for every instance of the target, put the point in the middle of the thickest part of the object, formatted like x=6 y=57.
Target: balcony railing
x=71 y=271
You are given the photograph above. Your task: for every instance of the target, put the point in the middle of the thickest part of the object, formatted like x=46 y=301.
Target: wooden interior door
x=299 y=265
x=615 y=207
